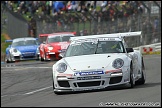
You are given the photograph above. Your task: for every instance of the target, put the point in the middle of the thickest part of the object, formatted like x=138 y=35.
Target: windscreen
x=24 y=42
x=87 y=47
x=65 y=38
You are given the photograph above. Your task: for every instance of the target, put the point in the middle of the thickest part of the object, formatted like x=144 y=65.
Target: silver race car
x=97 y=62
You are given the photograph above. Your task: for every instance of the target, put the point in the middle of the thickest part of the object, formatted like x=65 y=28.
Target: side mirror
x=61 y=55
x=129 y=50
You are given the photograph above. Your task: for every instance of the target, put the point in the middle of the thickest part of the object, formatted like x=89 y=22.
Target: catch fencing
x=16 y=25
x=92 y=23
x=98 y=22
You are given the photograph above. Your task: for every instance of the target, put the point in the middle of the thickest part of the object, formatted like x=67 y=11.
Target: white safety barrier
x=149 y=48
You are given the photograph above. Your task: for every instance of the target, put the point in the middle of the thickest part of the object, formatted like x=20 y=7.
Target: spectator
x=81 y=5
x=48 y=8
x=147 y=31
x=57 y=6
x=155 y=30
x=104 y=3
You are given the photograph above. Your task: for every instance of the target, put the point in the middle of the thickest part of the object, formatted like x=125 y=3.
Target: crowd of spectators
x=106 y=10
x=60 y=7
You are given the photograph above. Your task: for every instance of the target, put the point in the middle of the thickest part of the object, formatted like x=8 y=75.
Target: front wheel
x=132 y=82
x=8 y=58
x=142 y=79
x=41 y=59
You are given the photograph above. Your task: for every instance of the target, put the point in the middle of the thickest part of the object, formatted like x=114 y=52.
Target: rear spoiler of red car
x=45 y=35
x=8 y=40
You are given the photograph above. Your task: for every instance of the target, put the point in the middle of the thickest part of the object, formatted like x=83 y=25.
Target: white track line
x=38 y=90
x=29 y=92
x=26 y=67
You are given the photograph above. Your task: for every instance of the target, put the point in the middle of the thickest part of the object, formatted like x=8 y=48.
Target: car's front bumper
x=75 y=83
x=21 y=58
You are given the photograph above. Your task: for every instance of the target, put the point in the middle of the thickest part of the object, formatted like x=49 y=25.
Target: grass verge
x=4 y=45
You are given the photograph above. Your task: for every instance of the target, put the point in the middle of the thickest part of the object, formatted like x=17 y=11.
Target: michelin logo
x=88 y=73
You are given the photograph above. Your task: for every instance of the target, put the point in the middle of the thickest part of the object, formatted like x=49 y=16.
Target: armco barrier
x=149 y=48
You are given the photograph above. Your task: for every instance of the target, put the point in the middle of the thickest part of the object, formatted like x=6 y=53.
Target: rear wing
x=113 y=35
x=8 y=40
x=43 y=35
x=46 y=35
x=130 y=34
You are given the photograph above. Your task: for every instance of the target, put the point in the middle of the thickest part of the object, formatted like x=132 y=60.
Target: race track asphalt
x=29 y=84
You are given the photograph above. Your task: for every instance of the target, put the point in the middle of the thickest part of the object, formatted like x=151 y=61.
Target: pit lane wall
x=146 y=49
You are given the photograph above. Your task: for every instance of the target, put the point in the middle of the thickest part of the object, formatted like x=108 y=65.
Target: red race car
x=55 y=43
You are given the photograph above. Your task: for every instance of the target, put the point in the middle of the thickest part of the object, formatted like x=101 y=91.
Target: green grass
x=3 y=44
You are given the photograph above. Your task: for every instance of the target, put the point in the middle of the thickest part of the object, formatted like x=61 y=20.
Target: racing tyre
x=53 y=83
x=132 y=82
x=7 y=61
x=41 y=59
x=142 y=79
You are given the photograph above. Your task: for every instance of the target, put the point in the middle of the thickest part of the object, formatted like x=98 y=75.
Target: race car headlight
x=118 y=63
x=15 y=50
x=37 y=50
x=50 y=48
x=61 y=67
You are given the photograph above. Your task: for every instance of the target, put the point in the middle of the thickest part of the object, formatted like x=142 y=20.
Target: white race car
x=97 y=62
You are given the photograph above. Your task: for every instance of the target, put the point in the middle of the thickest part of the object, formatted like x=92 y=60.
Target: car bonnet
x=94 y=61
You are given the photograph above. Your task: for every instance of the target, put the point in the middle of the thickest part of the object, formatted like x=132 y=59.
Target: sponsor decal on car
x=88 y=73
x=89 y=78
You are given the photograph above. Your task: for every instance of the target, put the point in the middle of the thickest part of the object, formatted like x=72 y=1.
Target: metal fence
x=99 y=23
x=16 y=25
x=91 y=23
